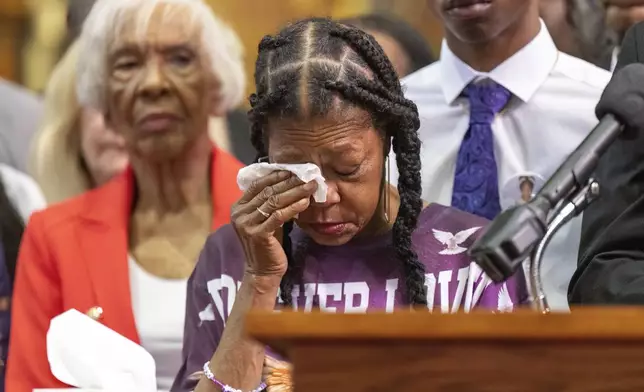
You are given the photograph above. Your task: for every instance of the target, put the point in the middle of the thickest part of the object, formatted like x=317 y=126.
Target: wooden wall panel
x=252 y=19
x=8 y=48
x=418 y=14
x=13 y=18
x=13 y=8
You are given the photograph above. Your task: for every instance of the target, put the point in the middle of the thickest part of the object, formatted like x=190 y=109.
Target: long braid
x=406 y=146
x=407 y=149
x=257 y=116
x=295 y=267
x=286 y=285
x=303 y=75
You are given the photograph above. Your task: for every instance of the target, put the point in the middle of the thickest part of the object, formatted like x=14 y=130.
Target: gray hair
x=106 y=19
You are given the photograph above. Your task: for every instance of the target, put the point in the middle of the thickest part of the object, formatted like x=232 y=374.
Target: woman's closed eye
x=181 y=59
x=348 y=171
x=126 y=64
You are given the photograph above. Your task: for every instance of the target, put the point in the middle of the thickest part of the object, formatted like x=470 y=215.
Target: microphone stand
x=569 y=208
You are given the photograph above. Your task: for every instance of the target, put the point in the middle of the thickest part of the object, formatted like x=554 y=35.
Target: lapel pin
x=95 y=312
x=519 y=188
x=526 y=187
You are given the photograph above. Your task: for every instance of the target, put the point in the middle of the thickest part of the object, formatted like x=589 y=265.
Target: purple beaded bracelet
x=226 y=388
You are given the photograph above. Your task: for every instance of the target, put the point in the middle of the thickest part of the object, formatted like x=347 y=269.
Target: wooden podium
x=591 y=349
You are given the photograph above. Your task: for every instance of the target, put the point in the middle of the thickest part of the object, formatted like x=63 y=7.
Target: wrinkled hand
x=267 y=204
x=622 y=14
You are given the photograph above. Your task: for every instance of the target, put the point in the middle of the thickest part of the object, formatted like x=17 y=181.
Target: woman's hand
x=265 y=207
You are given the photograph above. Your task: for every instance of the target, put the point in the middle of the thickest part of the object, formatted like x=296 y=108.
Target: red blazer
x=74 y=255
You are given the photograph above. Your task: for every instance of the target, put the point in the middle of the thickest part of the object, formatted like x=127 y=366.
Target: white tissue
x=306 y=172
x=86 y=354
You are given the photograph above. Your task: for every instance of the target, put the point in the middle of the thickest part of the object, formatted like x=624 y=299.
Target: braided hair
x=411 y=41
x=310 y=68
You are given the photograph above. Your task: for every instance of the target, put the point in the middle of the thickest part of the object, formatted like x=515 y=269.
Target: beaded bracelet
x=226 y=388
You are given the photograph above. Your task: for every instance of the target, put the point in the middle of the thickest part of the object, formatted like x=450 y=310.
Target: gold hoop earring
x=386 y=190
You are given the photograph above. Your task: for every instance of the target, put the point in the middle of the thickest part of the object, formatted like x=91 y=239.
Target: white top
x=23 y=192
x=551 y=113
x=159 y=307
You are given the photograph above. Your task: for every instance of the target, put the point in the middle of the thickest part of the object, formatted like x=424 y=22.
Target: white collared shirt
x=551 y=112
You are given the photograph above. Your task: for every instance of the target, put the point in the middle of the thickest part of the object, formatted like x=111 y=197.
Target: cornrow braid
x=256 y=136
x=313 y=67
x=379 y=89
x=367 y=47
x=257 y=115
x=368 y=97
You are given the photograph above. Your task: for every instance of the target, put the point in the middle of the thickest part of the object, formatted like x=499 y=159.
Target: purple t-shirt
x=361 y=276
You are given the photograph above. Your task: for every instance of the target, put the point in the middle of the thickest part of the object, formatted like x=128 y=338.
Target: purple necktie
x=476 y=181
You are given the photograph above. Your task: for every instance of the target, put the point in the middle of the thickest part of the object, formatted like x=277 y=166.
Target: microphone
x=512 y=235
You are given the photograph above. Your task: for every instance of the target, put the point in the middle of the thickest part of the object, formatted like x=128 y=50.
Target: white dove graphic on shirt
x=453 y=241
x=505 y=304
x=207 y=314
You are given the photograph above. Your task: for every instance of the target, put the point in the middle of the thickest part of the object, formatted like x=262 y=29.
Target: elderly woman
x=75 y=151
x=156 y=69
x=327 y=95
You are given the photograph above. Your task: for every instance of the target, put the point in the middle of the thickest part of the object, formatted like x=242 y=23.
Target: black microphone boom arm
x=580 y=164
x=510 y=238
